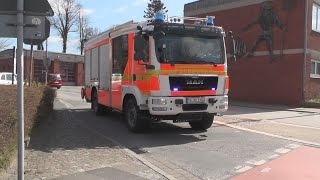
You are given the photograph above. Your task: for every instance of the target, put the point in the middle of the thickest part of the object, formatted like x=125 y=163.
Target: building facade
x=277 y=45
x=71 y=67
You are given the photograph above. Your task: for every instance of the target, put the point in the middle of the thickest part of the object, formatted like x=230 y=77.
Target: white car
x=6 y=78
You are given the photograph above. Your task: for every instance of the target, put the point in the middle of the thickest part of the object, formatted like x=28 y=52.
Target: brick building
x=287 y=74
x=71 y=67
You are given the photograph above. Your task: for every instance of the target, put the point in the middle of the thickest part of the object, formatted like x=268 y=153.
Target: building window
x=316 y=17
x=315 y=69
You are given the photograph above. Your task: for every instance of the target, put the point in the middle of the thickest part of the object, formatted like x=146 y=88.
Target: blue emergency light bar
x=159 y=17
x=210 y=20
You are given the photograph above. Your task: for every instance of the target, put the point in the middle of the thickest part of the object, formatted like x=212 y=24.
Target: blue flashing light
x=175 y=89
x=213 y=89
x=159 y=17
x=210 y=20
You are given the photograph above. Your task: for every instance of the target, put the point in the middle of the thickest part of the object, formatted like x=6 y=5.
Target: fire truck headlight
x=159 y=101
x=224 y=100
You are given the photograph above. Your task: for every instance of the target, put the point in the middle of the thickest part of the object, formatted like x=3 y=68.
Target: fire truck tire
x=205 y=124
x=97 y=108
x=134 y=117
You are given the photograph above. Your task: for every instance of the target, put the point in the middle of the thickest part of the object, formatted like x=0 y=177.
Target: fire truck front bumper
x=178 y=105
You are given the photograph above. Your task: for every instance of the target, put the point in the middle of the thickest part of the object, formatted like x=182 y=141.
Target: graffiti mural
x=266 y=20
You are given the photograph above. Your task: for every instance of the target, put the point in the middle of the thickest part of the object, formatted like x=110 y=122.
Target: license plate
x=196 y=100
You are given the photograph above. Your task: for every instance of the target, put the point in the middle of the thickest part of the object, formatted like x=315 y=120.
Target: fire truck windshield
x=176 y=49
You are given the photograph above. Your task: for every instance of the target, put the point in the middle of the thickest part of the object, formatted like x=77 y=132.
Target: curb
x=307 y=143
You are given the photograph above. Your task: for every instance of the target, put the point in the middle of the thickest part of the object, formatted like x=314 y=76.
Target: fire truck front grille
x=193 y=83
x=194 y=107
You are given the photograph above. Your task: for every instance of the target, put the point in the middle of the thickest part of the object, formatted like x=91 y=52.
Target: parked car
x=6 y=78
x=54 y=80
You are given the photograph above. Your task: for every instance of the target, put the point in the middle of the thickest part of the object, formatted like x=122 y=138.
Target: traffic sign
x=31 y=7
x=36 y=28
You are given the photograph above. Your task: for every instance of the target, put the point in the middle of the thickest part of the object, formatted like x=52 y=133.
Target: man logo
x=195 y=82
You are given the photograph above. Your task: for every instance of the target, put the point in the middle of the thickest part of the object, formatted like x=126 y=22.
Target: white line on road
x=282 y=150
x=244 y=169
x=256 y=163
x=273 y=156
x=293 y=146
x=308 y=143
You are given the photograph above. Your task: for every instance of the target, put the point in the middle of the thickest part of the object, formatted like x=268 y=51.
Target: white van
x=6 y=78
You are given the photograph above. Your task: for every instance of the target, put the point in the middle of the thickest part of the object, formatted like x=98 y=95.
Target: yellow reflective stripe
x=185 y=71
x=143 y=78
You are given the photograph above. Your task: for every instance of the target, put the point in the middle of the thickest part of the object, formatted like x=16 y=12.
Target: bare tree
x=4 y=43
x=65 y=19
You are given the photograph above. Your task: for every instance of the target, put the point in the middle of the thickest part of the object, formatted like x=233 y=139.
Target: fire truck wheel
x=134 y=118
x=205 y=124
x=97 y=108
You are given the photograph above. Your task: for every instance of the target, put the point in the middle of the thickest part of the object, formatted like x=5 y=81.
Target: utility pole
x=20 y=90
x=31 y=65
x=14 y=63
x=47 y=63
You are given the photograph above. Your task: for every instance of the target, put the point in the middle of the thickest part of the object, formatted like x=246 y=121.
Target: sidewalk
x=63 y=148
x=298 y=123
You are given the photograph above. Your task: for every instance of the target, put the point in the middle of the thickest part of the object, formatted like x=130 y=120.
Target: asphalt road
x=219 y=153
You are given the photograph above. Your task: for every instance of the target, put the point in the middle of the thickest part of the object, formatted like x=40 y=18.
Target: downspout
x=305 y=51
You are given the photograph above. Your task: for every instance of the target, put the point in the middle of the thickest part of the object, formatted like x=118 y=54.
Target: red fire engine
x=159 y=70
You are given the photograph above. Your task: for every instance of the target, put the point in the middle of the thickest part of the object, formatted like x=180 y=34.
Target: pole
x=14 y=63
x=20 y=90
x=47 y=64
x=31 y=64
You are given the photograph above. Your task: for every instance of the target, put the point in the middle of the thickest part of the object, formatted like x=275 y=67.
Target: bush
x=38 y=105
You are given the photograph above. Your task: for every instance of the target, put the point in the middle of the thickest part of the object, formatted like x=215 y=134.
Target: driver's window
x=141 y=47
x=3 y=77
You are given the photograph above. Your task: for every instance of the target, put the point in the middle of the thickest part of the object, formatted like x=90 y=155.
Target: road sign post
x=26 y=22
x=20 y=90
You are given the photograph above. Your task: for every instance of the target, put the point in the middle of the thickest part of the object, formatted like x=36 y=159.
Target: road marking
x=274 y=156
x=68 y=105
x=282 y=150
x=244 y=169
x=307 y=143
x=293 y=146
x=294 y=125
x=266 y=170
x=256 y=163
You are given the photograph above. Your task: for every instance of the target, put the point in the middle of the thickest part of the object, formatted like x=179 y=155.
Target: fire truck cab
x=159 y=70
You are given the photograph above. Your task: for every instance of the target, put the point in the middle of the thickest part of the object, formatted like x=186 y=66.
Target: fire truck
x=159 y=70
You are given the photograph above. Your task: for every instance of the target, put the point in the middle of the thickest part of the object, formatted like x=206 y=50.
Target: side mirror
x=230 y=34
x=140 y=48
x=139 y=28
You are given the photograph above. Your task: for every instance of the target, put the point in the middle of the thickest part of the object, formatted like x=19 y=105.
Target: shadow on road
x=81 y=129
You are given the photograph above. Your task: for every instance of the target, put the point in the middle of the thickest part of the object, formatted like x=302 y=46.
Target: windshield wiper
x=205 y=62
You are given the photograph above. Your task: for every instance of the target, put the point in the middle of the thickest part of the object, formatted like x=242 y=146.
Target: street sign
x=45 y=33
x=36 y=27
x=31 y=7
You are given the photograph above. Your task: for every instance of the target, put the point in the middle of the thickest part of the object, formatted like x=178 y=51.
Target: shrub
x=38 y=103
